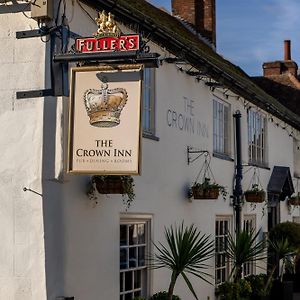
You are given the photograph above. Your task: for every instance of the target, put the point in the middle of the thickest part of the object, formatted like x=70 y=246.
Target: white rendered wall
x=80 y=253
x=22 y=257
x=91 y=261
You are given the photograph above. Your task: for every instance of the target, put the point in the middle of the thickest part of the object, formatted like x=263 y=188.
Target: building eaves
x=170 y=33
x=285 y=88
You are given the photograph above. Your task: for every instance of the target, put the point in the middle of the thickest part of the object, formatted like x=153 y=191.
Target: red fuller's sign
x=108 y=38
x=108 y=44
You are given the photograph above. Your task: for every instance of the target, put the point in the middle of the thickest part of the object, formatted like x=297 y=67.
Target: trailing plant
x=255 y=194
x=242 y=249
x=163 y=296
x=207 y=185
x=186 y=252
x=127 y=187
x=294 y=200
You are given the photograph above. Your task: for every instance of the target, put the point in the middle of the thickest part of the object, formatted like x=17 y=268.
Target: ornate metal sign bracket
x=191 y=151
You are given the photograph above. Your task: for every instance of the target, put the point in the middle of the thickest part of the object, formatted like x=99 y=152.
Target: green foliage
x=234 y=290
x=255 y=189
x=289 y=230
x=128 y=184
x=206 y=184
x=139 y=298
x=258 y=285
x=186 y=252
x=163 y=296
x=243 y=249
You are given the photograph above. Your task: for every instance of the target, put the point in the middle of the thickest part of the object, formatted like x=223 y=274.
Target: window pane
x=123 y=259
x=137 y=279
x=123 y=235
x=128 y=296
x=133 y=235
x=141 y=256
x=141 y=233
x=256 y=137
x=121 y=281
x=220 y=127
x=132 y=257
x=128 y=280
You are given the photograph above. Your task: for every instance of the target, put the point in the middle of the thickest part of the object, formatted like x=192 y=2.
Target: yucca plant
x=186 y=252
x=280 y=249
x=242 y=249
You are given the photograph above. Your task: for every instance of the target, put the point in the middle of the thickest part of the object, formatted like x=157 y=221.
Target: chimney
x=287 y=50
x=200 y=13
x=281 y=67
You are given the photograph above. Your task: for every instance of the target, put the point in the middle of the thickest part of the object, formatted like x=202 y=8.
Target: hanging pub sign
x=104 y=131
x=108 y=38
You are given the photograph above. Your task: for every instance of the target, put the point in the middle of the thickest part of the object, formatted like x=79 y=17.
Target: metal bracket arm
x=191 y=151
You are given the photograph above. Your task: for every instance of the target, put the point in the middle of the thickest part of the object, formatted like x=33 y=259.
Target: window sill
x=150 y=136
x=222 y=156
x=259 y=165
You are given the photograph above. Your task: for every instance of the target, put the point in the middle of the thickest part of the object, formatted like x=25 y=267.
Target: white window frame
x=148 y=102
x=222 y=264
x=221 y=127
x=249 y=224
x=144 y=288
x=257 y=136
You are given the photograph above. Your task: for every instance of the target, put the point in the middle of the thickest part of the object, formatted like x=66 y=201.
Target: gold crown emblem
x=107 y=26
x=104 y=106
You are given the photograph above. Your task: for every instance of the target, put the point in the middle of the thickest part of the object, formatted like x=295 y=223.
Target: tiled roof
x=170 y=33
x=285 y=88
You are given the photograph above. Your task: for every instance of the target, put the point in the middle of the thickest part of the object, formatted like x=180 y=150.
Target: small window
x=134 y=246
x=249 y=224
x=221 y=127
x=223 y=226
x=149 y=101
x=257 y=138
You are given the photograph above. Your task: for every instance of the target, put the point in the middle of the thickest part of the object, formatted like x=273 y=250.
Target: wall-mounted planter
x=255 y=196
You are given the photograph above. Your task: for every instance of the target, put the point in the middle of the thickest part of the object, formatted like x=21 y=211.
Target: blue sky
x=252 y=32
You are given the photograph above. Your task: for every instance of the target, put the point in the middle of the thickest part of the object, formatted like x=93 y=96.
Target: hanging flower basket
x=205 y=193
x=207 y=190
x=294 y=201
x=109 y=184
x=123 y=185
x=255 y=195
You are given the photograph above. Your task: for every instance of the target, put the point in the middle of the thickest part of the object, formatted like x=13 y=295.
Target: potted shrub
x=284 y=245
x=255 y=194
x=258 y=285
x=234 y=290
x=113 y=184
x=207 y=190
